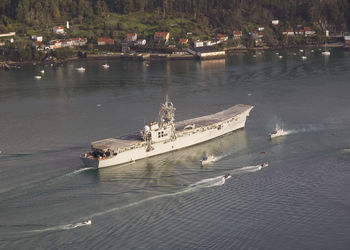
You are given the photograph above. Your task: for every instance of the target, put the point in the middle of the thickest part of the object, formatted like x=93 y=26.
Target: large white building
x=207 y=52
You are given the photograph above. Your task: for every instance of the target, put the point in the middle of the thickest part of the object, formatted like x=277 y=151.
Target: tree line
x=228 y=13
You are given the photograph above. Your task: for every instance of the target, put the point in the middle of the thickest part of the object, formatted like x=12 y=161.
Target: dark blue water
x=300 y=201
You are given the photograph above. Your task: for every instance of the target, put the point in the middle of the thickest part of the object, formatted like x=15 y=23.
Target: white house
x=309 y=32
x=261 y=28
x=237 y=34
x=141 y=42
x=58 y=29
x=208 y=43
x=131 y=37
x=8 y=34
x=290 y=32
x=37 y=38
x=275 y=22
x=198 y=43
x=347 y=38
x=207 y=52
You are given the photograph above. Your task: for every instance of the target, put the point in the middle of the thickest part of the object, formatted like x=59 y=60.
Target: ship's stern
x=90 y=162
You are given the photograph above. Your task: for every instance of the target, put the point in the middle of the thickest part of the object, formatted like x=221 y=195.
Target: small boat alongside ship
x=277 y=132
x=165 y=136
x=207 y=159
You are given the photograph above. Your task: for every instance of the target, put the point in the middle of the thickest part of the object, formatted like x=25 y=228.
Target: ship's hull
x=183 y=139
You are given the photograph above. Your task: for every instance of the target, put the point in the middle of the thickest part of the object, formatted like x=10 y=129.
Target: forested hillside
x=222 y=14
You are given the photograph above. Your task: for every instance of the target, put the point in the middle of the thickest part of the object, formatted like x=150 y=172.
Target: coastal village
x=162 y=45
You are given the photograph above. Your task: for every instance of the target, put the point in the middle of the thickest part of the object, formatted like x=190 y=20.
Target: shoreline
x=160 y=56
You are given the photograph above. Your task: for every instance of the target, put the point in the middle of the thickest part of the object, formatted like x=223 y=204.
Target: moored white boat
x=37 y=77
x=105 y=66
x=80 y=69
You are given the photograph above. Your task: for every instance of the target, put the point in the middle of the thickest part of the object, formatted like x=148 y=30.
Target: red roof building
x=237 y=34
x=105 y=41
x=131 y=37
x=183 y=41
x=161 y=36
x=58 y=29
x=222 y=37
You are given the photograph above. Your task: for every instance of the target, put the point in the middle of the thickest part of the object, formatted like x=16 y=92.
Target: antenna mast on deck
x=166 y=113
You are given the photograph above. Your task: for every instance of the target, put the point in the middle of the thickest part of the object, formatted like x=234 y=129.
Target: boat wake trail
x=224 y=155
x=58 y=228
x=205 y=183
x=247 y=169
x=301 y=130
x=77 y=172
x=202 y=184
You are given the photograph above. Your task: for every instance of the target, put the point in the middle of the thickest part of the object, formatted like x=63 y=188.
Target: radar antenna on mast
x=166 y=113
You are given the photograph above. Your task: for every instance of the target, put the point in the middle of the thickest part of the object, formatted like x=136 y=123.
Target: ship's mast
x=166 y=113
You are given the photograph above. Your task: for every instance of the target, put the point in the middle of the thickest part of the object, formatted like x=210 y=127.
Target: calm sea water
x=301 y=201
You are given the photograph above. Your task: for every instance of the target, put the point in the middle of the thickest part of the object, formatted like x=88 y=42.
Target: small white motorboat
x=304 y=57
x=105 y=66
x=42 y=72
x=280 y=57
x=227 y=176
x=325 y=52
x=37 y=77
x=81 y=69
x=264 y=165
x=277 y=132
x=207 y=159
x=87 y=222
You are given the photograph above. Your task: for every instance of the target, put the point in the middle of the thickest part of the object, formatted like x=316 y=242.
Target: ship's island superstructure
x=165 y=135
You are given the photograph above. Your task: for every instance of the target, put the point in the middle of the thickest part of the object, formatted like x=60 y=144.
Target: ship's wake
x=76 y=172
x=223 y=155
x=300 y=130
x=58 y=228
x=202 y=184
